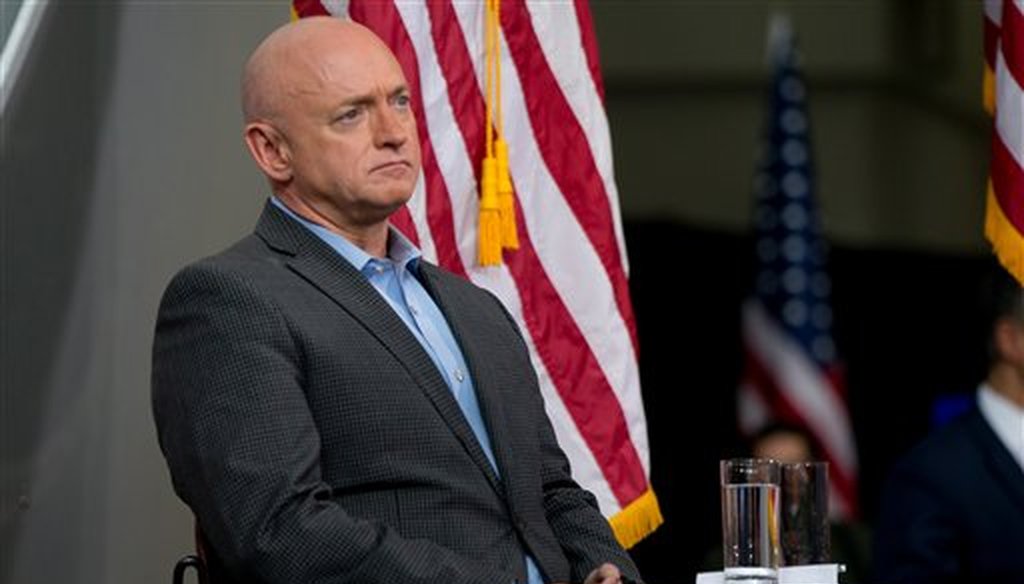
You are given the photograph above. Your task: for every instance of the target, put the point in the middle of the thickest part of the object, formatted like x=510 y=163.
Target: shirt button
x=459 y=376
x=413 y=310
x=378 y=269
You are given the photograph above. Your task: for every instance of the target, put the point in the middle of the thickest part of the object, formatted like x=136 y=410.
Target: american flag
x=792 y=372
x=566 y=284
x=1004 y=99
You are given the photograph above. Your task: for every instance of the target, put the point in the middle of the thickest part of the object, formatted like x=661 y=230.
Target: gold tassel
x=506 y=197
x=489 y=220
x=506 y=200
x=489 y=236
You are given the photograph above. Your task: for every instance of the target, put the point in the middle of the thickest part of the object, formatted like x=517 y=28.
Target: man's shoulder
x=947 y=452
x=275 y=236
x=247 y=251
x=247 y=260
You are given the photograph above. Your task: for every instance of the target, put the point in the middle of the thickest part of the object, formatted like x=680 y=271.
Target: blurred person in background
x=953 y=508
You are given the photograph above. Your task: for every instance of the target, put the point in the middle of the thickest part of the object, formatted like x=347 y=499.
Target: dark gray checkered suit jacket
x=315 y=440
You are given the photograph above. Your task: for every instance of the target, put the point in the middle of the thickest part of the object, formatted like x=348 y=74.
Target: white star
x=794 y=121
x=794 y=280
x=795 y=312
x=794 y=153
x=794 y=184
x=792 y=89
x=794 y=217
x=794 y=248
x=823 y=348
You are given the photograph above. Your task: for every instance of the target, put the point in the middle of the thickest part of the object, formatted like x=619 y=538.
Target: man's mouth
x=395 y=166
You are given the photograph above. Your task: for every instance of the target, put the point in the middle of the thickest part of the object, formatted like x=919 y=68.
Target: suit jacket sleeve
x=572 y=512
x=243 y=449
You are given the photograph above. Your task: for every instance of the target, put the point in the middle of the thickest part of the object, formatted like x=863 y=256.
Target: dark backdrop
x=906 y=324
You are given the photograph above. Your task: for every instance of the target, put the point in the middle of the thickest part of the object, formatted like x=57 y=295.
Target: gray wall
x=900 y=137
x=122 y=160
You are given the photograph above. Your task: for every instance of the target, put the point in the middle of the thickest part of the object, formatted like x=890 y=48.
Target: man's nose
x=389 y=128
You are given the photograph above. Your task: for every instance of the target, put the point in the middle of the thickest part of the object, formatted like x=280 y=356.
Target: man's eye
x=350 y=115
x=402 y=101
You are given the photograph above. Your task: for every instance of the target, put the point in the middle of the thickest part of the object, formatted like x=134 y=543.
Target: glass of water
x=750 y=520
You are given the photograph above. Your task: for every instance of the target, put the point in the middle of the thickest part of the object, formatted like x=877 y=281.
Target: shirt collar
x=1005 y=418
x=401 y=251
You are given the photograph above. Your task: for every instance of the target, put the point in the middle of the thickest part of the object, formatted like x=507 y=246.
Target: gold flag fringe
x=638 y=520
x=1007 y=241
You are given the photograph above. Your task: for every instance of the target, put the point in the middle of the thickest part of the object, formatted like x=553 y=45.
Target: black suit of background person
x=953 y=508
x=303 y=421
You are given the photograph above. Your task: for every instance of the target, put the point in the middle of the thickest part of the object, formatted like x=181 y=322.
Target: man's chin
x=385 y=206
x=397 y=196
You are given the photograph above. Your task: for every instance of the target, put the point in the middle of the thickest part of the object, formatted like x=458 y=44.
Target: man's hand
x=604 y=574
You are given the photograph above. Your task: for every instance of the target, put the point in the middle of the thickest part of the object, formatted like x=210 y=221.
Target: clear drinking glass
x=805 y=525
x=750 y=520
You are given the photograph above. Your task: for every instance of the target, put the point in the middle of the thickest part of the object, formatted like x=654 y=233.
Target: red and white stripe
x=1004 y=63
x=1009 y=74
x=783 y=381
x=993 y=22
x=567 y=284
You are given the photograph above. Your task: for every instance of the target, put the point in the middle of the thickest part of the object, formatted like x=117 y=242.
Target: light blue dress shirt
x=394 y=278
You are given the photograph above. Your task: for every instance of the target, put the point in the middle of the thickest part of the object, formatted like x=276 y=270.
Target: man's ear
x=1009 y=340
x=270 y=150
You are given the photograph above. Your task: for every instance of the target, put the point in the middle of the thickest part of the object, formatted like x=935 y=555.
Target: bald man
x=332 y=407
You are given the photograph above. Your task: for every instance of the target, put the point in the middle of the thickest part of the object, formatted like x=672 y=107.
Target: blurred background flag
x=792 y=373
x=1004 y=99
x=566 y=284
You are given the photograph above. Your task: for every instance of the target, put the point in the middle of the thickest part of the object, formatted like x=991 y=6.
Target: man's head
x=328 y=119
x=783 y=442
x=1004 y=304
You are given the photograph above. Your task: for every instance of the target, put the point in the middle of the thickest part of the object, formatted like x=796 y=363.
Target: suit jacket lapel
x=322 y=267
x=487 y=387
x=1007 y=471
